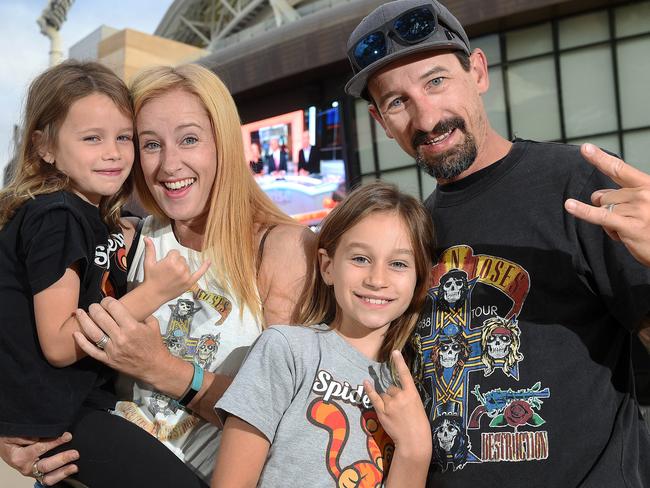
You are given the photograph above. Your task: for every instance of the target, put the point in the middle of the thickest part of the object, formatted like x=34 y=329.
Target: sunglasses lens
x=415 y=25
x=370 y=49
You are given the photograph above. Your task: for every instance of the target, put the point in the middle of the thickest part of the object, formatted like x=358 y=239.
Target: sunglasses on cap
x=409 y=28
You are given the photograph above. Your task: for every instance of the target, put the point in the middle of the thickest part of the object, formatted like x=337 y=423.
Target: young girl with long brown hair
x=305 y=408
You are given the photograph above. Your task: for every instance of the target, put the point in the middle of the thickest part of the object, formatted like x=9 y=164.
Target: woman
x=194 y=179
x=255 y=160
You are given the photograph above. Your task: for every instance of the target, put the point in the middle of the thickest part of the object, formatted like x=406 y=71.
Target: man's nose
x=424 y=114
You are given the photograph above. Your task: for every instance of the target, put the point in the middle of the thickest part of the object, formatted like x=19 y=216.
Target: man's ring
x=37 y=473
x=610 y=207
x=101 y=343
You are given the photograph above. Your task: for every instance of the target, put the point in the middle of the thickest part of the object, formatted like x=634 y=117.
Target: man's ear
x=38 y=139
x=325 y=264
x=374 y=112
x=479 y=69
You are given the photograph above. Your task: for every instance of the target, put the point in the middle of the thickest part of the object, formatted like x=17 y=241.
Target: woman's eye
x=150 y=146
x=189 y=140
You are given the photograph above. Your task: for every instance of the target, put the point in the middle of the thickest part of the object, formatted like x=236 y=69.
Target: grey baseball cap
x=448 y=35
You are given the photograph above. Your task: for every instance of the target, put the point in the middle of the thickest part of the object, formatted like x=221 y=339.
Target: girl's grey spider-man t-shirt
x=302 y=388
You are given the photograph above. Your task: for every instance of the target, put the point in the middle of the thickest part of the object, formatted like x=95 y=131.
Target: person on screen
x=308 y=157
x=256 y=162
x=276 y=159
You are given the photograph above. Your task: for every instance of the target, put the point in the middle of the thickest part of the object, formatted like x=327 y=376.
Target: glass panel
x=584 y=29
x=428 y=184
x=634 y=79
x=364 y=136
x=405 y=179
x=637 y=149
x=610 y=143
x=368 y=179
x=495 y=103
x=490 y=46
x=389 y=152
x=529 y=42
x=632 y=19
x=533 y=99
x=589 y=108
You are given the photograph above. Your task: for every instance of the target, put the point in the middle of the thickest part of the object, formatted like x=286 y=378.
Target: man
x=276 y=159
x=308 y=157
x=525 y=343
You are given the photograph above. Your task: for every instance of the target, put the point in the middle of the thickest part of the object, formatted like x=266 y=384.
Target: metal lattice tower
x=52 y=18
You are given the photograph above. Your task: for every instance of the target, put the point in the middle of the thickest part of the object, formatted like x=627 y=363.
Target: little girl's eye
x=399 y=264
x=360 y=259
x=91 y=138
x=124 y=138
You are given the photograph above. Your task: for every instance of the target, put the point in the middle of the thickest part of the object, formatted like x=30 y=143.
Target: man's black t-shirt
x=526 y=337
x=47 y=235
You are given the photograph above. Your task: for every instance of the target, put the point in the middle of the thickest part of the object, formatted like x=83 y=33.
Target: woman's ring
x=37 y=473
x=101 y=343
x=610 y=207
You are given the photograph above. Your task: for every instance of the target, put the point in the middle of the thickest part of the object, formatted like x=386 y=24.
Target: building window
x=534 y=107
x=588 y=107
x=364 y=136
x=634 y=76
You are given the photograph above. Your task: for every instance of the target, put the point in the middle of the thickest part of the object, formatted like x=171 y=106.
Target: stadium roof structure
x=257 y=42
x=212 y=24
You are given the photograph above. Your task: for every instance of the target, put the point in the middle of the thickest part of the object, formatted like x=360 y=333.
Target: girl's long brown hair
x=49 y=99
x=317 y=303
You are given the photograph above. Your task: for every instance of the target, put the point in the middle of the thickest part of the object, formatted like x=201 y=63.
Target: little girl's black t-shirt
x=47 y=235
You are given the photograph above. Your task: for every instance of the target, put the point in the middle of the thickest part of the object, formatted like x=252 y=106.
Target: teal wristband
x=195 y=385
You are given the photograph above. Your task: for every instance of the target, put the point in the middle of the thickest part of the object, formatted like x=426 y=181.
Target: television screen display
x=297 y=159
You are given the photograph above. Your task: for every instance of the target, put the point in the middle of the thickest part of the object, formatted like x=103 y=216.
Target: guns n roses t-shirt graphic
x=469 y=346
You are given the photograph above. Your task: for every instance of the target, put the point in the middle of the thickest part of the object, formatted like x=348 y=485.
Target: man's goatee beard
x=451 y=163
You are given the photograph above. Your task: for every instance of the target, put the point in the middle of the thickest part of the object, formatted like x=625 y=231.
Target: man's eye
x=437 y=81
x=395 y=103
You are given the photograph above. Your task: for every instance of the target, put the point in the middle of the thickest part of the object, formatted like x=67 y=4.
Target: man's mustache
x=441 y=127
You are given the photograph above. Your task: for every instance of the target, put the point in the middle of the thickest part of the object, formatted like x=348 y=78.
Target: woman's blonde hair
x=49 y=99
x=318 y=302
x=237 y=202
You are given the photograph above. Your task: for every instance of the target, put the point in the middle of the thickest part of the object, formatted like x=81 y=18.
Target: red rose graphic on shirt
x=518 y=413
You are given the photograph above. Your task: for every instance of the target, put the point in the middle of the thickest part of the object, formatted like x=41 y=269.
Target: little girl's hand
x=171 y=276
x=401 y=413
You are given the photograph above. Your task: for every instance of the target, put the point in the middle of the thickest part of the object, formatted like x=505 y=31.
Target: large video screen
x=297 y=159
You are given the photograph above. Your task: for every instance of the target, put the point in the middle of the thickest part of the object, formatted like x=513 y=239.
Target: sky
x=24 y=51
